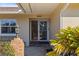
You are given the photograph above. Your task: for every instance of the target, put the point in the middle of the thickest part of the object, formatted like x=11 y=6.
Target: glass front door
x=34 y=30
x=43 y=30
x=39 y=30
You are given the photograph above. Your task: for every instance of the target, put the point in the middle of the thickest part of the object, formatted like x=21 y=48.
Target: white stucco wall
x=24 y=29
x=54 y=26
x=69 y=21
x=55 y=21
x=23 y=22
x=71 y=13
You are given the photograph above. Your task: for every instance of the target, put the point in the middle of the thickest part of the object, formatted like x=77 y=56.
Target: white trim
x=30 y=36
x=47 y=28
x=7 y=34
x=38 y=29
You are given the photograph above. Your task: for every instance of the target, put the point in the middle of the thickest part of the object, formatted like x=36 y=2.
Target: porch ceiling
x=38 y=8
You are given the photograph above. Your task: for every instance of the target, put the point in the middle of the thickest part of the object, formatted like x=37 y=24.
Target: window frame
x=7 y=34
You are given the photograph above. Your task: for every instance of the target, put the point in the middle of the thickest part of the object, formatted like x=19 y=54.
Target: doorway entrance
x=39 y=30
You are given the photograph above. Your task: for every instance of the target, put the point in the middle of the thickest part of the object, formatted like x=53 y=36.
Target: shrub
x=67 y=42
x=6 y=49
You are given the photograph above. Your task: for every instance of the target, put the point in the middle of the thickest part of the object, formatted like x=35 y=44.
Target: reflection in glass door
x=43 y=30
x=39 y=30
x=34 y=30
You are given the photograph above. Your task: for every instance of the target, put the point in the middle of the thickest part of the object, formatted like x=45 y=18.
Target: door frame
x=39 y=19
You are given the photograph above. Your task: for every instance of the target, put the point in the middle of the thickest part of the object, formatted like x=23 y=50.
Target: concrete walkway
x=35 y=51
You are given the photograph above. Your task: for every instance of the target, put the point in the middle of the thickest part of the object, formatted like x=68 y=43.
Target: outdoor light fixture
x=17 y=30
x=19 y=10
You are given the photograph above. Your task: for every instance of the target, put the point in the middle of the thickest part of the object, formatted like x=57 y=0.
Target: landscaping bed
x=6 y=49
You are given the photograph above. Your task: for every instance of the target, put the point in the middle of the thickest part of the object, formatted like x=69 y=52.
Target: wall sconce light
x=17 y=31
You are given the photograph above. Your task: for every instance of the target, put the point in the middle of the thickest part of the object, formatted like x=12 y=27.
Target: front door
x=39 y=30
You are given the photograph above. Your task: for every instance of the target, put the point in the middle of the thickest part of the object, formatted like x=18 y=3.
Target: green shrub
x=67 y=42
x=7 y=49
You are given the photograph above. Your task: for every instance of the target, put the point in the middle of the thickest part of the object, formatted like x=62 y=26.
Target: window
x=7 y=26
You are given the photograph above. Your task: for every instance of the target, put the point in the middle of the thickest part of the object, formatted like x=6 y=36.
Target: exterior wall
x=70 y=13
x=69 y=21
x=55 y=21
x=70 y=16
x=23 y=23
x=54 y=26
